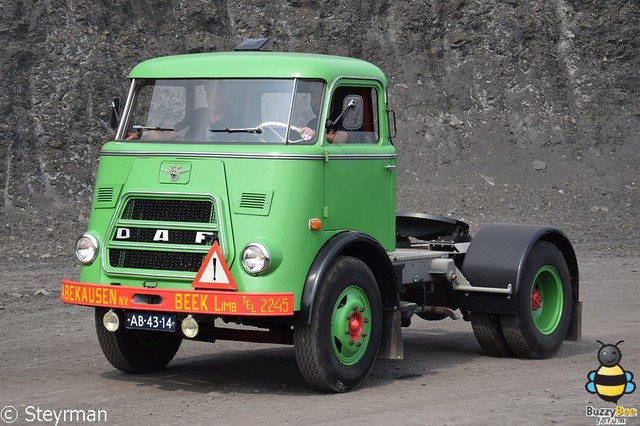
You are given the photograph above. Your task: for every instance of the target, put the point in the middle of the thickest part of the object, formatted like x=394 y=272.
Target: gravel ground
x=51 y=361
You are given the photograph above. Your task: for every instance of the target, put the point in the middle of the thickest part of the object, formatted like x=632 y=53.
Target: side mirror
x=116 y=112
x=352 y=112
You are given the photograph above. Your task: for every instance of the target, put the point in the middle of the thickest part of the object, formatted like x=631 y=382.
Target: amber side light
x=315 y=224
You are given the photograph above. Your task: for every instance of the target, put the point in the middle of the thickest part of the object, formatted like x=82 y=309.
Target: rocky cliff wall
x=508 y=110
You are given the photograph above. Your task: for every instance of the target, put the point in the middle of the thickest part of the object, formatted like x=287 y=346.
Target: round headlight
x=87 y=249
x=255 y=258
x=111 y=321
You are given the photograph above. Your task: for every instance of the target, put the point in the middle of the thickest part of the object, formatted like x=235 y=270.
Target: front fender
x=354 y=244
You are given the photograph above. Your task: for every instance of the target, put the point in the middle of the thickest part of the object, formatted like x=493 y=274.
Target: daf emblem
x=174 y=172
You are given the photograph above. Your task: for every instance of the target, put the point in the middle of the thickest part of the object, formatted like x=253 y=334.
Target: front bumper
x=185 y=301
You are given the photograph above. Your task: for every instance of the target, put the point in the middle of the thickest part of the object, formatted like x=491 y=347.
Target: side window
x=353 y=116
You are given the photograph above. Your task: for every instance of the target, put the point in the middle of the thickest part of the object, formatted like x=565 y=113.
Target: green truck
x=250 y=196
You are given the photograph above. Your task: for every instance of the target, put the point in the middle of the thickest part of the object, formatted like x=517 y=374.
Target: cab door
x=359 y=173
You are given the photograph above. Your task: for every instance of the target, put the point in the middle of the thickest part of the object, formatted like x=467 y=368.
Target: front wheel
x=133 y=351
x=544 y=304
x=336 y=352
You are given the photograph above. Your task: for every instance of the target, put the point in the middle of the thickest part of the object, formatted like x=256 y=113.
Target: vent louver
x=255 y=203
x=106 y=196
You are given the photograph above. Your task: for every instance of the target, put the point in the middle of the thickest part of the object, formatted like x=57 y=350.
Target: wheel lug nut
x=359 y=344
x=365 y=320
x=362 y=309
x=364 y=334
x=355 y=307
x=351 y=342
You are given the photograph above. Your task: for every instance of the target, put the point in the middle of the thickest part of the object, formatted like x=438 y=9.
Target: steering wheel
x=272 y=125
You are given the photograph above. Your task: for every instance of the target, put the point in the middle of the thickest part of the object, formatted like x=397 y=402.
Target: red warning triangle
x=214 y=272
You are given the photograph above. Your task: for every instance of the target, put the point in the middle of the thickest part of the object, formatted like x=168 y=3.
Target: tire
x=336 y=352
x=133 y=351
x=488 y=332
x=540 y=326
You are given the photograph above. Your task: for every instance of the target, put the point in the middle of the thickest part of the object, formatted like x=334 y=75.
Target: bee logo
x=610 y=381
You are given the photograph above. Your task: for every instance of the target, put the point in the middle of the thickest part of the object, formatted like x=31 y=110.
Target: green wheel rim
x=547 y=300
x=351 y=325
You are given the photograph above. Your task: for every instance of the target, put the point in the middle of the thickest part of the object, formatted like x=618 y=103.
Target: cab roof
x=256 y=65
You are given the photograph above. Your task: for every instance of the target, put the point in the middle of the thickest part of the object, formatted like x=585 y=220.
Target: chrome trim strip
x=362 y=156
x=247 y=155
x=197 y=226
x=168 y=247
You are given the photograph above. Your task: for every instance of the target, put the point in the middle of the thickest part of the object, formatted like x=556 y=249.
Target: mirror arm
x=116 y=112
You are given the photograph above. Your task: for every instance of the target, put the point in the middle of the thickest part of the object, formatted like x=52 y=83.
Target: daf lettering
x=123 y=234
x=161 y=235
x=201 y=236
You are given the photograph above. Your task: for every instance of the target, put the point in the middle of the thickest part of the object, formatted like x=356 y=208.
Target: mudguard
x=495 y=259
x=368 y=250
x=358 y=245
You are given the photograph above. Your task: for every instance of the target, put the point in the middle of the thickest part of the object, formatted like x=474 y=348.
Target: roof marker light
x=251 y=44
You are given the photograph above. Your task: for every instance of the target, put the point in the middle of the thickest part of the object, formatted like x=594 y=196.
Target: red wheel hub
x=355 y=326
x=536 y=299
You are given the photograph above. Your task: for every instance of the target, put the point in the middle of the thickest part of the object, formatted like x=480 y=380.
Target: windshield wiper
x=257 y=130
x=156 y=128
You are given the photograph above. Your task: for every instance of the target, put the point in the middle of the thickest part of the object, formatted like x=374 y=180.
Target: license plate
x=149 y=321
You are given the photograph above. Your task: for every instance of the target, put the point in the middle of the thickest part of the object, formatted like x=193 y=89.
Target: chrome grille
x=158 y=260
x=159 y=210
x=162 y=234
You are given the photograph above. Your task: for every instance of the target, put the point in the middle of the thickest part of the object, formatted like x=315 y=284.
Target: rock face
x=508 y=110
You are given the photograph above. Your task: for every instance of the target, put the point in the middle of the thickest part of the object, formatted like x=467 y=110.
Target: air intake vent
x=255 y=203
x=105 y=196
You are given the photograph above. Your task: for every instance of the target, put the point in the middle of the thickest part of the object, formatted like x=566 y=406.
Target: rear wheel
x=544 y=304
x=336 y=352
x=488 y=332
x=133 y=351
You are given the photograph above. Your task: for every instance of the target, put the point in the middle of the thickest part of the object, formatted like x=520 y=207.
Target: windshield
x=224 y=111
